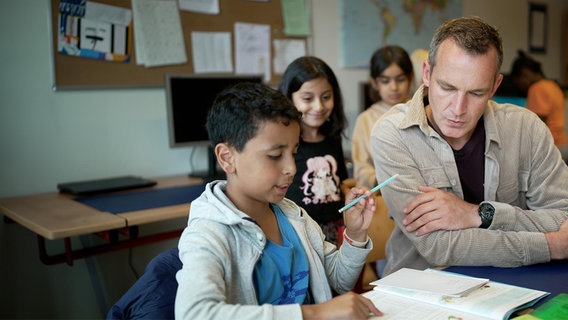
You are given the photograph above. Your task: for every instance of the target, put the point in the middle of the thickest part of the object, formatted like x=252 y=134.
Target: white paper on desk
x=432 y=281
x=158 y=34
x=493 y=300
x=211 y=52
x=252 y=49
x=398 y=307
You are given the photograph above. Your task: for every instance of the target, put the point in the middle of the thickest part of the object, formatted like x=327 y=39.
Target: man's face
x=459 y=87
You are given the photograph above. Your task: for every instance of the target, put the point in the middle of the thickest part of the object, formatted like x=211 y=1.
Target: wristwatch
x=486 y=212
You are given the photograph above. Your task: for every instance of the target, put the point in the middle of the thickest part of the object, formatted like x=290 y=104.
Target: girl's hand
x=357 y=219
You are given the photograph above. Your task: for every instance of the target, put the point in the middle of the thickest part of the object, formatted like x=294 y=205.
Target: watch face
x=486 y=212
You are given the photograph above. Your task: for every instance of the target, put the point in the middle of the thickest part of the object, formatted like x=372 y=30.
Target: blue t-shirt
x=281 y=275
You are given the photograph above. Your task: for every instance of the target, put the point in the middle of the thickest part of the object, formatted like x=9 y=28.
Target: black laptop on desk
x=90 y=187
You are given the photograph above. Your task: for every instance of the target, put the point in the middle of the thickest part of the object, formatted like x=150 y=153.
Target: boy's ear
x=225 y=157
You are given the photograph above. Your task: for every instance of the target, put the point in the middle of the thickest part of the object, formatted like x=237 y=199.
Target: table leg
x=69 y=255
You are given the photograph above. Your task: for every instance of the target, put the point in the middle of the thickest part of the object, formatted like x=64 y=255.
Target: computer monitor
x=189 y=97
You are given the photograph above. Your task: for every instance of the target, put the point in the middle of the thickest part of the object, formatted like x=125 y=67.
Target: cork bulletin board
x=71 y=72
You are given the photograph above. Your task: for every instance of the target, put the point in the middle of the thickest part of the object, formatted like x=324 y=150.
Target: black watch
x=486 y=212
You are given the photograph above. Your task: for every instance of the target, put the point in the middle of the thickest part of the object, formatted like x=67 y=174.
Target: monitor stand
x=212 y=173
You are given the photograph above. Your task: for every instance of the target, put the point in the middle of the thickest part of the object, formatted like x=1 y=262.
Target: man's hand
x=435 y=209
x=558 y=242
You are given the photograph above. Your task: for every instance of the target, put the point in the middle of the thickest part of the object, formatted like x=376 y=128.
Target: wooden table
x=55 y=216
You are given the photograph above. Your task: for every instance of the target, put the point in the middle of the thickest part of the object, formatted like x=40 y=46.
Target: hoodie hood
x=213 y=204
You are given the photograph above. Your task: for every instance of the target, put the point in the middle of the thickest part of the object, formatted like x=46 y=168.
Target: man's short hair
x=472 y=34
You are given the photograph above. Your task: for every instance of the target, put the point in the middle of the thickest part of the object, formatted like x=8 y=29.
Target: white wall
x=509 y=16
x=47 y=137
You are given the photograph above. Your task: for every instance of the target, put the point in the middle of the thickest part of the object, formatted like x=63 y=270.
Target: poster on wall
x=367 y=25
x=93 y=30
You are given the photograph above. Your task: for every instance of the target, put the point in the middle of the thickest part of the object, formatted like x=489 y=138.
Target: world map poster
x=367 y=25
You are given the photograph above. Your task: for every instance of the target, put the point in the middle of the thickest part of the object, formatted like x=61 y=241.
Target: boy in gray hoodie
x=247 y=251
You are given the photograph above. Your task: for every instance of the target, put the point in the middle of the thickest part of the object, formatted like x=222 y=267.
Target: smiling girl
x=313 y=88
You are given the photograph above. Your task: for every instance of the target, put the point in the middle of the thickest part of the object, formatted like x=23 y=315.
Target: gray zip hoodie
x=220 y=247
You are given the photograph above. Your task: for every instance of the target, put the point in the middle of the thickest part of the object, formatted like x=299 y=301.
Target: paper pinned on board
x=211 y=52
x=295 y=15
x=252 y=49
x=93 y=30
x=286 y=51
x=158 y=33
x=201 y=6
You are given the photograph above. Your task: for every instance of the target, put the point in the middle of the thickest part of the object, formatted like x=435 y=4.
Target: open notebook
x=437 y=294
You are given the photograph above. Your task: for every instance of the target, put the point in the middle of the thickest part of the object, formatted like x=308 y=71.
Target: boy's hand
x=346 y=306
x=357 y=219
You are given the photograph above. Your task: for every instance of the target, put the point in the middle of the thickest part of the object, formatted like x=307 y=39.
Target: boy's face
x=264 y=169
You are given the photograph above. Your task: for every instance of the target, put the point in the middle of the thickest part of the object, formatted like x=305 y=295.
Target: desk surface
x=550 y=277
x=56 y=215
x=139 y=217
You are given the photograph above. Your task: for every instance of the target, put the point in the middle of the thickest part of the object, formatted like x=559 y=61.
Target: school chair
x=153 y=295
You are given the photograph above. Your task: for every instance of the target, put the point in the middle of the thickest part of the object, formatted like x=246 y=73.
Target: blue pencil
x=375 y=189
